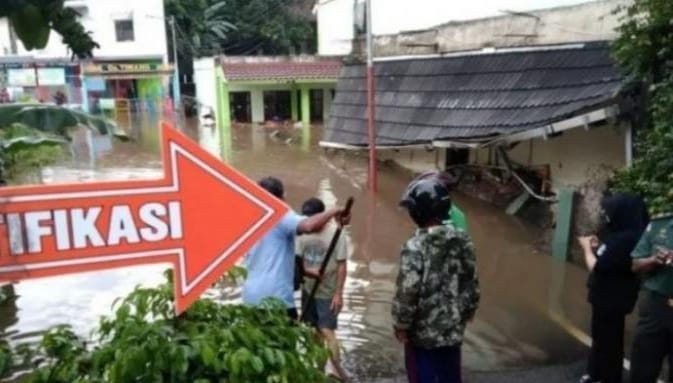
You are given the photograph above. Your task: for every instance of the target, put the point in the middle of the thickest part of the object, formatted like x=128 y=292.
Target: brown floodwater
x=533 y=310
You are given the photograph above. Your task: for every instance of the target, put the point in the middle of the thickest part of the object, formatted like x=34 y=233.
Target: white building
x=124 y=29
x=336 y=18
x=131 y=62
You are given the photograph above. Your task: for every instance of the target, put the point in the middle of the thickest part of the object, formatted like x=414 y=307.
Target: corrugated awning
x=473 y=97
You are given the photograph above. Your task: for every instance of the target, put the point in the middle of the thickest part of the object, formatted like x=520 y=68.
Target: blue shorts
x=319 y=314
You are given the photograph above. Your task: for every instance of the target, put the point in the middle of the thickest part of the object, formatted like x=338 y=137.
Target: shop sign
x=125 y=68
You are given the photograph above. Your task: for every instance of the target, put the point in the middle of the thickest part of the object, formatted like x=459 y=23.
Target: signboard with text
x=102 y=69
x=201 y=217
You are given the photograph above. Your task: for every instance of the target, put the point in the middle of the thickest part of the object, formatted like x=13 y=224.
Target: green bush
x=145 y=342
x=645 y=51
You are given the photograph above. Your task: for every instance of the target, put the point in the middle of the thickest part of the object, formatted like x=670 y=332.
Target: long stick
x=325 y=261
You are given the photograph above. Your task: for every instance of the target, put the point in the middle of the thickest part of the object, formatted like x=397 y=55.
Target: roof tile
x=473 y=96
x=285 y=70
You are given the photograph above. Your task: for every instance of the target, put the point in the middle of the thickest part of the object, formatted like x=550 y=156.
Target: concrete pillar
x=294 y=106
x=305 y=106
x=223 y=111
x=305 y=137
x=257 y=105
x=326 y=103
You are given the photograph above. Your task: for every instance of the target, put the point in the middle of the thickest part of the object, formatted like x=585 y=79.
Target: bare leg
x=333 y=345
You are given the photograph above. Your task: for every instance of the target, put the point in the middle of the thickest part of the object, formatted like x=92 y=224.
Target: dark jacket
x=612 y=284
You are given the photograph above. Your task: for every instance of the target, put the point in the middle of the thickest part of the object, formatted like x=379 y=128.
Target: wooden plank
x=564 y=213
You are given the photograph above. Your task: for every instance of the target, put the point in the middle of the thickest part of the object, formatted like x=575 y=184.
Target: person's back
x=437 y=290
x=442 y=273
x=270 y=264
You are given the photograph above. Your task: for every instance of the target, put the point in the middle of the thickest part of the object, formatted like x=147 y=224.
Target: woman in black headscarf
x=613 y=287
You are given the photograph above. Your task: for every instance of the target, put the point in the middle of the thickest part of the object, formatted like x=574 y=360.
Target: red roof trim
x=281 y=70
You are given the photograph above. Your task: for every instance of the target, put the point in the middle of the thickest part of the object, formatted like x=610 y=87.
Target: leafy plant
x=33 y=21
x=645 y=50
x=56 y=120
x=145 y=342
x=202 y=26
x=31 y=135
x=24 y=149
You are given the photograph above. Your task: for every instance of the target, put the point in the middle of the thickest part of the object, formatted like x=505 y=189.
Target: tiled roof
x=282 y=70
x=473 y=96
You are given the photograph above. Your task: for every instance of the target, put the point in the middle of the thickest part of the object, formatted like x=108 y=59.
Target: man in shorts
x=323 y=309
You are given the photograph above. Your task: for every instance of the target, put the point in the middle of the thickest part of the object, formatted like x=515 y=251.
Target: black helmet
x=427 y=200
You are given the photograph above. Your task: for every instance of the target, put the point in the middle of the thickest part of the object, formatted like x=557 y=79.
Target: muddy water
x=532 y=307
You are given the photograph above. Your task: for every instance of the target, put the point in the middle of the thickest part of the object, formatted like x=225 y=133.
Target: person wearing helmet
x=456 y=216
x=437 y=288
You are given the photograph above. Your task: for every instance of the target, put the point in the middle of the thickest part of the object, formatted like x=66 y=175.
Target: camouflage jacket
x=437 y=288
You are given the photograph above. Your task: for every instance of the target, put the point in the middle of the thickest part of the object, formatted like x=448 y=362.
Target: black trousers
x=607 y=350
x=653 y=342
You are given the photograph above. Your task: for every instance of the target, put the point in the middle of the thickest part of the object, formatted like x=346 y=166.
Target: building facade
x=429 y=26
x=530 y=103
x=580 y=24
x=129 y=70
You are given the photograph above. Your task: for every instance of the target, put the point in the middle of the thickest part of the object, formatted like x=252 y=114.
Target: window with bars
x=124 y=30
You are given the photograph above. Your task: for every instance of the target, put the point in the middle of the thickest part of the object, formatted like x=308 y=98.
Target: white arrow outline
x=175 y=149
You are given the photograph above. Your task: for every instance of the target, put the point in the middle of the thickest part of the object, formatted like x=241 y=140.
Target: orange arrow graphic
x=202 y=216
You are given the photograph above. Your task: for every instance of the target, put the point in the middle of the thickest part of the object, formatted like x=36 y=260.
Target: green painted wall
x=149 y=88
x=305 y=106
x=294 y=104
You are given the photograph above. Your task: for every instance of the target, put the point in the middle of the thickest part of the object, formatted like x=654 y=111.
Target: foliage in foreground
x=25 y=149
x=645 y=51
x=211 y=342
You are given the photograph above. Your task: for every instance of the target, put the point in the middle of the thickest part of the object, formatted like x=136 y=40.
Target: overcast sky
x=399 y=15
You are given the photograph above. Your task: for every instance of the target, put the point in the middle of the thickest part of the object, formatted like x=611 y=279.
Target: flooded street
x=533 y=310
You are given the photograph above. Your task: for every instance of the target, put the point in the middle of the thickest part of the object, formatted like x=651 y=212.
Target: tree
x=644 y=49
x=201 y=26
x=240 y=27
x=33 y=21
x=272 y=27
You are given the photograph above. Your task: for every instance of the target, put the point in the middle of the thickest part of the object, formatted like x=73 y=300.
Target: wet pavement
x=533 y=311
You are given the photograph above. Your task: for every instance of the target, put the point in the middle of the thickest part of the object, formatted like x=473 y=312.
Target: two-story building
x=129 y=70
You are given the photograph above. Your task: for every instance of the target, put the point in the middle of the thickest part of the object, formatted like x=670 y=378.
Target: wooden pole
x=371 y=110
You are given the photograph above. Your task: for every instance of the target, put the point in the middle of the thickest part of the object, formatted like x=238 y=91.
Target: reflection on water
x=513 y=327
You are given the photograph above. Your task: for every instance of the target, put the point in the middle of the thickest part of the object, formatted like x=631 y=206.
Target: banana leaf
x=56 y=120
x=19 y=143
